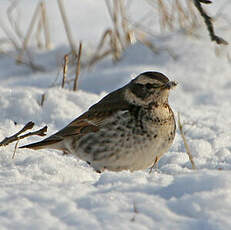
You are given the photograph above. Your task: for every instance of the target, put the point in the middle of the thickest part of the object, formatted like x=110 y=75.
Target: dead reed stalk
x=116 y=38
x=65 y=68
x=66 y=25
x=75 y=85
x=43 y=97
x=135 y=211
x=45 y=25
x=10 y=36
x=164 y=15
x=14 y=22
x=38 y=34
x=29 y=32
x=180 y=126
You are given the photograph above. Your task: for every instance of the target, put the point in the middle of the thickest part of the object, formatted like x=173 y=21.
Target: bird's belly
x=143 y=153
x=127 y=146
x=118 y=151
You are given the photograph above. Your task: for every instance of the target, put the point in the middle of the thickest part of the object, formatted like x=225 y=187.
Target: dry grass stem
x=65 y=68
x=15 y=36
x=116 y=22
x=66 y=25
x=38 y=34
x=135 y=211
x=129 y=34
x=155 y=165
x=15 y=148
x=31 y=64
x=29 y=32
x=116 y=43
x=42 y=99
x=45 y=25
x=185 y=143
x=109 y=8
x=14 y=22
x=17 y=137
x=165 y=19
x=183 y=17
x=75 y=85
x=107 y=33
x=10 y=36
x=97 y=58
x=175 y=12
x=116 y=38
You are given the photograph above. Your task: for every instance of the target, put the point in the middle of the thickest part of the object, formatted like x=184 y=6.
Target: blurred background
x=38 y=34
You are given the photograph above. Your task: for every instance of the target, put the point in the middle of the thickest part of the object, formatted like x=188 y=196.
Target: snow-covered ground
x=46 y=190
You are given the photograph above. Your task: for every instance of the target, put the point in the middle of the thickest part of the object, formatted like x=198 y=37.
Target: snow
x=47 y=190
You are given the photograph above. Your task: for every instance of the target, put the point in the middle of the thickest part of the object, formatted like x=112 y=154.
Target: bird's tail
x=45 y=144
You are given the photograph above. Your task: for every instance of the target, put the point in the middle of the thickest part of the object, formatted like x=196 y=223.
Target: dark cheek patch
x=140 y=91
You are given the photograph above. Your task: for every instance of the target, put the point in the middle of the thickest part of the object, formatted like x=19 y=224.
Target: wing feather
x=95 y=118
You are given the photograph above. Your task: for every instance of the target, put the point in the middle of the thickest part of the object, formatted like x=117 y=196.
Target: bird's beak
x=170 y=85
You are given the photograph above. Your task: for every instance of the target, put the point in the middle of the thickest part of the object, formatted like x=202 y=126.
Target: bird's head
x=149 y=87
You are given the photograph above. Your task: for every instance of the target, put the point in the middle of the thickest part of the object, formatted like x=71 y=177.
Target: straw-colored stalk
x=75 y=85
x=65 y=69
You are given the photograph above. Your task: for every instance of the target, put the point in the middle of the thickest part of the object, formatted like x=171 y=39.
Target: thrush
x=129 y=129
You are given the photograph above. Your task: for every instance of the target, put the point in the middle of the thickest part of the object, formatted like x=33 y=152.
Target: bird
x=128 y=129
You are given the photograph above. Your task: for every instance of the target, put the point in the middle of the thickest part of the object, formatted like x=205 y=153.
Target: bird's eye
x=149 y=86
